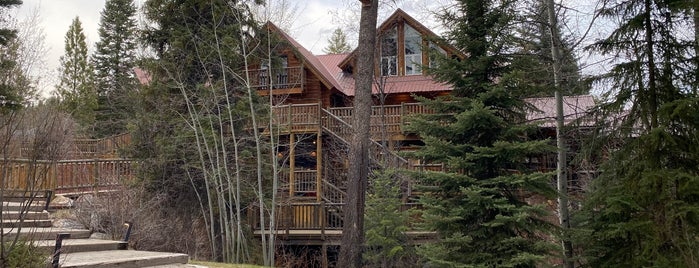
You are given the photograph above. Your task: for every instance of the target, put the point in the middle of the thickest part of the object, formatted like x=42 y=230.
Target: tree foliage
x=533 y=61
x=642 y=210
x=114 y=60
x=387 y=244
x=337 y=43
x=478 y=205
x=10 y=79
x=195 y=126
x=76 y=87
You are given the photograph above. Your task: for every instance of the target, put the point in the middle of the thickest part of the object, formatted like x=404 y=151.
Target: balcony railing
x=282 y=79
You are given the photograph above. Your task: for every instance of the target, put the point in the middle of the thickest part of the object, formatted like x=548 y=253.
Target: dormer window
x=413 y=51
x=389 y=53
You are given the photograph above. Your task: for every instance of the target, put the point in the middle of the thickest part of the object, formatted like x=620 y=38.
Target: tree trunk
x=561 y=165
x=353 y=228
x=695 y=10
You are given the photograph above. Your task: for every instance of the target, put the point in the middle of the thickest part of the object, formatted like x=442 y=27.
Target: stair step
x=121 y=259
x=43 y=233
x=11 y=223
x=21 y=206
x=29 y=215
x=81 y=245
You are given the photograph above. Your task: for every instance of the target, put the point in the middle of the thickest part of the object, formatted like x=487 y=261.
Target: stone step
x=81 y=245
x=21 y=206
x=121 y=259
x=12 y=223
x=43 y=233
x=29 y=215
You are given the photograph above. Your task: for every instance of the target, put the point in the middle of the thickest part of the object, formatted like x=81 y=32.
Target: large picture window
x=413 y=51
x=389 y=51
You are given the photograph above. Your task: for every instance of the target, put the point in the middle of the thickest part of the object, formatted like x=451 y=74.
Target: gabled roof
x=308 y=58
x=399 y=16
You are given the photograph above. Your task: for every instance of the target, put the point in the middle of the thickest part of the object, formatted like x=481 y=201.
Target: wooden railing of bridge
x=66 y=176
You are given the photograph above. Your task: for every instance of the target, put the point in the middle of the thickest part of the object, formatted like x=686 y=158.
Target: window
x=413 y=51
x=435 y=50
x=283 y=75
x=263 y=75
x=389 y=51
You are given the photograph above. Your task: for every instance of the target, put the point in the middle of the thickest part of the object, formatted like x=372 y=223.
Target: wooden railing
x=66 y=176
x=377 y=152
x=80 y=148
x=303 y=216
x=305 y=182
x=297 y=117
x=387 y=119
x=281 y=78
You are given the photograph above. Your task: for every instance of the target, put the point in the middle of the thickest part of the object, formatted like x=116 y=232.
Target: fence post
x=96 y=174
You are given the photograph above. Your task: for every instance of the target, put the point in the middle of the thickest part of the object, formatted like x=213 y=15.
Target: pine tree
x=337 y=43
x=642 y=209
x=477 y=206
x=114 y=62
x=76 y=86
x=10 y=96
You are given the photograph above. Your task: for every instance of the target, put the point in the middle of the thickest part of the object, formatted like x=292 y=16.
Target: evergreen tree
x=10 y=96
x=387 y=244
x=76 y=87
x=477 y=206
x=114 y=62
x=533 y=61
x=337 y=43
x=193 y=128
x=642 y=211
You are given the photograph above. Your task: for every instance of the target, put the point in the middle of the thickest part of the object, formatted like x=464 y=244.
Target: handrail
x=335 y=190
x=377 y=146
x=64 y=176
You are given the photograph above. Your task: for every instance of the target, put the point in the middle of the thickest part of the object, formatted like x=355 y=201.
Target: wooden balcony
x=288 y=80
x=388 y=119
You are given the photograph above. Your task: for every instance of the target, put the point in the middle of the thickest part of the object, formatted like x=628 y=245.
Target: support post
x=57 y=249
x=319 y=167
x=292 y=164
x=127 y=234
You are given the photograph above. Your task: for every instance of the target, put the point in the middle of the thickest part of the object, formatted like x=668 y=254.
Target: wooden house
x=312 y=99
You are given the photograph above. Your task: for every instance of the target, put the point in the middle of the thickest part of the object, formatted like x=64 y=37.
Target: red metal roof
x=391 y=84
x=574 y=108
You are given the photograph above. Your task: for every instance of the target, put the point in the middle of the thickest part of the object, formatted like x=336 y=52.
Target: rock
x=60 y=201
x=101 y=236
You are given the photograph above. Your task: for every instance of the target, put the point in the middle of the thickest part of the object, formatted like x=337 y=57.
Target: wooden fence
x=65 y=176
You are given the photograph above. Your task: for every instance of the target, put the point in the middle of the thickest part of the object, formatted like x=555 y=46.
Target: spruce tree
x=114 y=59
x=478 y=206
x=10 y=96
x=76 y=87
x=642 y=211
x=533 y=60
x=337 y=43
x=386 y=224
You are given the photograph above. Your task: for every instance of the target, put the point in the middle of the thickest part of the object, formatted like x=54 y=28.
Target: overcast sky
x=311 y=24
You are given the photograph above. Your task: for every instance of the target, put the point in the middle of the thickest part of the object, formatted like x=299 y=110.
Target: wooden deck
x=312 y=237
x=387 y=120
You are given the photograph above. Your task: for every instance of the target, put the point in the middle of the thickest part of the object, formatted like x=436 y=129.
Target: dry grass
x=223 y=265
